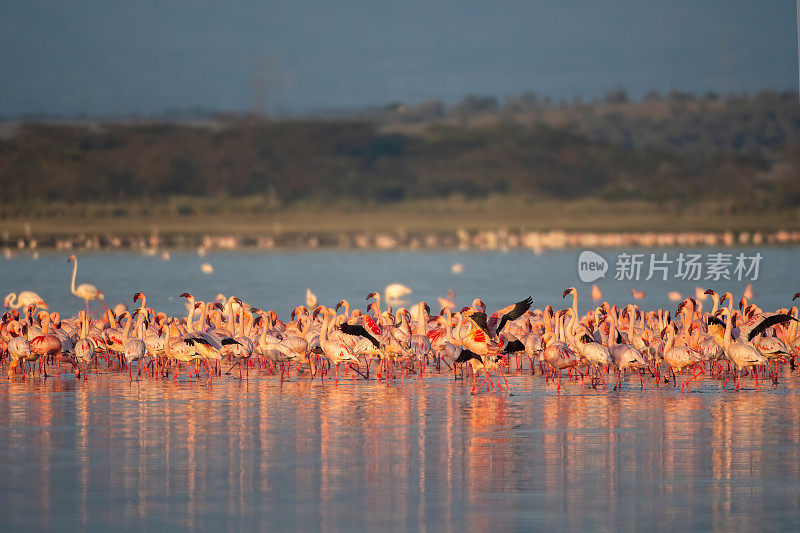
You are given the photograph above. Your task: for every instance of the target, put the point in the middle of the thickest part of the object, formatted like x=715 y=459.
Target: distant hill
x=676 y=148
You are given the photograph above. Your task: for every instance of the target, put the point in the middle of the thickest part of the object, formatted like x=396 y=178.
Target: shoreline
x=480 y=240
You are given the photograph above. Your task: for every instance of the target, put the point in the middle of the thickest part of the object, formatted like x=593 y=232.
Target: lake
x=421 y=454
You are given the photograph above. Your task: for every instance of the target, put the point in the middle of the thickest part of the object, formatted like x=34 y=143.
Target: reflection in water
x=426 y=454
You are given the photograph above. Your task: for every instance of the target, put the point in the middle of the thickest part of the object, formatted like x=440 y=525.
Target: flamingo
x=742 y=354
x=395 y=291
x=679 y=357
x=311 y=299
x=85 y=291
x=420 y=343
x=335 y=351
x=625 y=356
x=19 y=351
x=23 y=300
x=84 y=347
x=557 y=353
x=135 y=349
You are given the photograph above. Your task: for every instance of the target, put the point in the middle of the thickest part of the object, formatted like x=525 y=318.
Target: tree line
x=744 y=150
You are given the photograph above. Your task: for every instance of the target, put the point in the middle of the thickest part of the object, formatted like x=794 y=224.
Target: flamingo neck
x=202 y=325
x=74 y=273
x=190 y=318
x=670 y=339
x=126 y=332
x=231 y=318
x=726 y=339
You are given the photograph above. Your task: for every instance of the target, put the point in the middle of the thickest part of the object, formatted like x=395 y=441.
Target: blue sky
x=117 y=57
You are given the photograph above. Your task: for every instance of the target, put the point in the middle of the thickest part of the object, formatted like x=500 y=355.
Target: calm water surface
x=314 y=456
x=278 y=280
x=425 y=454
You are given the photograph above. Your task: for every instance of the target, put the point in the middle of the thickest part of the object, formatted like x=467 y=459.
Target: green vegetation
x=739 y=155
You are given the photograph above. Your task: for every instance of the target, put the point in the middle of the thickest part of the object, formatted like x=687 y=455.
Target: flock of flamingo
x=216 y=337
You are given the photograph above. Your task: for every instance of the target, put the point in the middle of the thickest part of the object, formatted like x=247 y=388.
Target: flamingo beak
x=565 y=293
x=796 y=296
x=372 y=295
x=709 y=291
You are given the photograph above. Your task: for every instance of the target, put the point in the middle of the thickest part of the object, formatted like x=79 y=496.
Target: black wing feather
x=767 y=323
x=715 y=320
x=466 y=355
x=480 y=321
x=191 y=340
x=519 y=309
x=359 y=331
x=228 y=340
x=514 y=346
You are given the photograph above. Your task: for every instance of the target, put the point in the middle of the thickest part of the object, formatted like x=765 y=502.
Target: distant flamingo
x=85 y=291
x=596 y=293
x=24 y=299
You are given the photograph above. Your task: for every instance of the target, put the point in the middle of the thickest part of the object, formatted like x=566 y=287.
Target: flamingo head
x=796 y=296
x=138 y=296
x=319 y=309
x=427 y=308
x=101 y=295
x=341 y=303
x=71 y=258
x=373 y=295
x=568 y=291
x=478 y=304
x=709 y=291
x=186 y=295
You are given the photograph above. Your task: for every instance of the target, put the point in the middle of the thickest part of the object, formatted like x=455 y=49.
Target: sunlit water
x=426 y=453
x=278 y=280
x=104 y=453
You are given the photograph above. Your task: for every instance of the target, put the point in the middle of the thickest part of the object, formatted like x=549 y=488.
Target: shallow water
x=423 y=454
x=278 y=280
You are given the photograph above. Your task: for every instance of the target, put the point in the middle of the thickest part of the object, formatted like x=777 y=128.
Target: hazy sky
x=108 y=56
